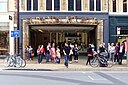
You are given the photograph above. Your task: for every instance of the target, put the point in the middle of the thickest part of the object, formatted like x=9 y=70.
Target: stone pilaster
x=99 y=32
x=25 y=36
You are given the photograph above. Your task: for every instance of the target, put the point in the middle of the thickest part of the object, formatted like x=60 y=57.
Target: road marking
x=90 y=77
x=83 y=72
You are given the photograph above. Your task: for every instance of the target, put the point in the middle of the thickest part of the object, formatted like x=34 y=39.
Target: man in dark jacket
x=66 y=51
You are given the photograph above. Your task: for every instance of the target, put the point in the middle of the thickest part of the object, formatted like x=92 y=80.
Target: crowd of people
x=115 y=52
x=53 y=53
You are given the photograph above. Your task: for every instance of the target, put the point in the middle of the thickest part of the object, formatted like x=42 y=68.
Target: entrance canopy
x=63 y=24
x=63 y=28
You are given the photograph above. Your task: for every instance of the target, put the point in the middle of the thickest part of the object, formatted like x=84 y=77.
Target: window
x=4 y=38
x=124 y=5
x=98 y=5
x=114 y=5
x=48 y=4
x=91 y=5
x=56 y=4
x=3 y=6
x=78 y=5
x=35 y=4
x=70 y=5
x=28 y=5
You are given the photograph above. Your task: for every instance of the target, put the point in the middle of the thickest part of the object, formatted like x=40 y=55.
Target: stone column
x=57 y=37
x=25 y=36
x=99 y=33
x=50 y=37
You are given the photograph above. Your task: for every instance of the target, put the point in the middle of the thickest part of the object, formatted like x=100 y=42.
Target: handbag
x=89 y=55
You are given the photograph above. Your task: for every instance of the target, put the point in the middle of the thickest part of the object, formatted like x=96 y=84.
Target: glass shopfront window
x=4 y=38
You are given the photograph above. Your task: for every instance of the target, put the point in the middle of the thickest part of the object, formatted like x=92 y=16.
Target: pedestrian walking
x=39 y=54
x=26 y=50
x=42 y=52
x=53 y=53
x=48 y=52
x=71 y=53
x=58 y=56
x=121 y=53
x=112 y=52
x=116 y=58
x=66 y=51
x=76 y=53
x=89 y=54
x=30 y=53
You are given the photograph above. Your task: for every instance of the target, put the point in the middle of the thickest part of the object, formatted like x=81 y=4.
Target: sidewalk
x=34 y=66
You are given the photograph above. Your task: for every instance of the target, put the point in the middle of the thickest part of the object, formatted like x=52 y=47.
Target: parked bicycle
x=101 y=59
x=14 y=60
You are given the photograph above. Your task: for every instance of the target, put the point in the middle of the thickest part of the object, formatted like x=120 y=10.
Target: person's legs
x=39 y=58
x=47 y=57
x=66 y=60
x=87 y=61
x=70 y=58
x=120 y=58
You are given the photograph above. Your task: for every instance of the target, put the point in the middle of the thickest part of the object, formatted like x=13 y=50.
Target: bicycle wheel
x=23 y=63
x=94 y=62
x=18 y=62
x=11 y=62
x=6 y=61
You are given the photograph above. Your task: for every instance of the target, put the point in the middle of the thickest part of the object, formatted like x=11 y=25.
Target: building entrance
x=82 y=31
x=43 y=37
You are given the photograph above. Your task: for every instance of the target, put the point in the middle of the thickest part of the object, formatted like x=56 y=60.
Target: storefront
x=6 y=42
x=118 y=24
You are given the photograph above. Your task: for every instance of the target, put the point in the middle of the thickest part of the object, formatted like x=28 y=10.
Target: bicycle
x=101 y=59
x=14 y=61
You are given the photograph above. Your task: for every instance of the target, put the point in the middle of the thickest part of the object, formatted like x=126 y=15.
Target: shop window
x=4 y=38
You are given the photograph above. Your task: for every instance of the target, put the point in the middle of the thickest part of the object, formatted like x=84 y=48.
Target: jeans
x=112 y=57
x=66 y=59
x=39 y=58
x=47 y=57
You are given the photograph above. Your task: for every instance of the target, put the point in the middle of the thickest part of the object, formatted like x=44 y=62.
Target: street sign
x=15 y=33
